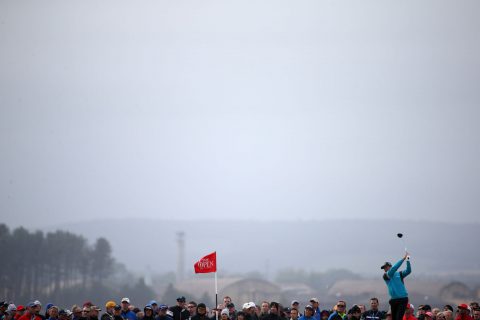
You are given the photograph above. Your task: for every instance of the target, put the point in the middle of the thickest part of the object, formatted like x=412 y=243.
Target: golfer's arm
x=394 y=269
x=408 y=270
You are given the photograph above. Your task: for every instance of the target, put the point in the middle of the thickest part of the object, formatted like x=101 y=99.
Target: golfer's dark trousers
x=398 y=307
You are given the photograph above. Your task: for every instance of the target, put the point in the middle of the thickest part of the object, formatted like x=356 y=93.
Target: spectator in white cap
x=9 y=314
x=308 y=313
x=251 y=311
x=316 y=308
x=296 y=305
x=126 y=313
x=224 y=314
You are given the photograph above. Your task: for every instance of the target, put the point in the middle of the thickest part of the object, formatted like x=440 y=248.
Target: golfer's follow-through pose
x=396 y=287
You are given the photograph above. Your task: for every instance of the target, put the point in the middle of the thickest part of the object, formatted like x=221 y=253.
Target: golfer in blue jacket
x=396 y=287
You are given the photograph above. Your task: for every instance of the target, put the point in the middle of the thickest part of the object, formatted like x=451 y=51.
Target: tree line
x=60 y=266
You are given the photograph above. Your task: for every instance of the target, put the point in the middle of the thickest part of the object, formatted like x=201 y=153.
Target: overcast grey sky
x=247 y=110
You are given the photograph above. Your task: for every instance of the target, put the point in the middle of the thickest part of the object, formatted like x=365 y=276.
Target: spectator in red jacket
x=463 y=313
x=409 y=311
x=33 y=309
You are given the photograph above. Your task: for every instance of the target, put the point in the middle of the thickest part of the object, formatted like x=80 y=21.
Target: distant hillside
x=265 y=247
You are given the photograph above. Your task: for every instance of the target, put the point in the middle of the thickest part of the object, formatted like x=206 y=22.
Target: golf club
x=400 y=235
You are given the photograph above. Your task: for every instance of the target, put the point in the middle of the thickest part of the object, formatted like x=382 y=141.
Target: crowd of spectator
x=265 y=310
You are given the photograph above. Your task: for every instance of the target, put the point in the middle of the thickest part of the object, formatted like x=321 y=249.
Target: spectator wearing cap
x=339 y=313
x=324 y=314
x=224 y=314
x=316 y=308
x=250 y=310
x=3 y=308
x=94 y=312
x=474 y=305
x=11 y=308
x=476 y=314
x=10 y=312
x=33 y=309
x=463 y=312
x=354 y=313
x=63 y=315
x=154 y=306
x=126 y=313
x=108 y=315
x=374 y=313
x=47 y=310
x=429 y=315
x=20 y=312
x=295 y=305
x=117 y=312
x=232 y=313
x=53 y=312
x=77 y=312
x=308 y=313
x=148 y=313
x=396 y=288
x=409 y=312
x=38 y=308
x=163 y=313
x=179 y=311
x=422 y=311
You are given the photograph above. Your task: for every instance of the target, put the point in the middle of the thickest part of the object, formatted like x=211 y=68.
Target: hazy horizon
x=282 y=244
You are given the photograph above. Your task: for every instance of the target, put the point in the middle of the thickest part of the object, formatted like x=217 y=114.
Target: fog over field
x=150 y=246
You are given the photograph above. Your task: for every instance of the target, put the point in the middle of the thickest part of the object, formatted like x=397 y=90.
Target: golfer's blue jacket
x=394 y=280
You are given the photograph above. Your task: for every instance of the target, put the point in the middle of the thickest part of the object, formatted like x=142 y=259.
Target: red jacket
x=410 y=317
x=28 y=316
x=463 y=317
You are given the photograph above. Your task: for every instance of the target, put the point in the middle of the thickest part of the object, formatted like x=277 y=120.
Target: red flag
x=207 y=264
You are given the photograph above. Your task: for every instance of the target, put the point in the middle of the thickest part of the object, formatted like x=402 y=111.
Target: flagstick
x=216 y=294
